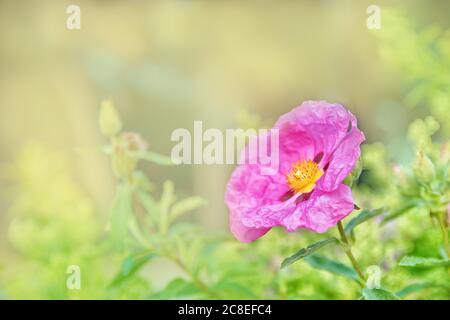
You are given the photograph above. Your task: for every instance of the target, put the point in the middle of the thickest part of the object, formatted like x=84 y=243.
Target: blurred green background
x=168 y=63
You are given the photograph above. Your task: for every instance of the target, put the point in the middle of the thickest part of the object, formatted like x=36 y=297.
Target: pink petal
x=322 y=211
x=242 y=232
x=319 y=112
x=342 y=161
x=325 y=125
x=255 y=198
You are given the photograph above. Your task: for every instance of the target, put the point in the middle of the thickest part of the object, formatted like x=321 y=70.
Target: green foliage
x=416 y=287
x=304 y=252
x=426 y=70
x=52 y=227
x=361 y=218
x=324 y=263
x=378 y=294
x=420 y=262
x=156 y=158
x=120 y=214
x=177 y=288
x=131 y=265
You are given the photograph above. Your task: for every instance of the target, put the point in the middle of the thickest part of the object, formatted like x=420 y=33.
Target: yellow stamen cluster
x=303 y=176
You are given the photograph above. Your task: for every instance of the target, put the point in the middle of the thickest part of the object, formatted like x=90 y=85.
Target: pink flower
x=319 y=144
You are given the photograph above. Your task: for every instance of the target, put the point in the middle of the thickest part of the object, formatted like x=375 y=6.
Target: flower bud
x=423 y=167
x=133 y=142
x=125 y=153
x=109 y=120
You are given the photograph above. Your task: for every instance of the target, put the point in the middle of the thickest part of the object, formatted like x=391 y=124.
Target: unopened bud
x=125 y=153
x=109 y=120
x=134 y=142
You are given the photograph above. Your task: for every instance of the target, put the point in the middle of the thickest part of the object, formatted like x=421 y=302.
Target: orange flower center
x=303 y=176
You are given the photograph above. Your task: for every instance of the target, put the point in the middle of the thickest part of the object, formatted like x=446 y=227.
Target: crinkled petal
x=255 y=198
x=342 y=161
x=318 y=112
x=324 y=126
x=321 y=211
x=242 y=232
x=295 y=144
x=258 y=200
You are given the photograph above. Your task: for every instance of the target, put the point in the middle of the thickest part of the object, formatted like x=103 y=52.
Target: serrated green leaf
x=130 y=266
x=378 y=294
x=156 y=158
x=304 y=252
x=177 y=288
x=416 y=287
x=360 y=218
x=421 y=262
x=323 y=263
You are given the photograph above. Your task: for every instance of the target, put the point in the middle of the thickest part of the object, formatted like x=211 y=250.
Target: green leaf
x=157 y=158
x=421 y=262
x=378 y=294
x=362 y=217
x=131 y=265
x=150 y=206
x=397 y=213
x=323 y=263
x=234 y=289
x=177 y=288
x=304 y=252
x=121 y=211
x=416 y=287
x=137 y=233
x=443 y=252
x=167 y=199
x=184 y=206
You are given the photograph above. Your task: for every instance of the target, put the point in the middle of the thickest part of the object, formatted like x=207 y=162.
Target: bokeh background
x=168 y=63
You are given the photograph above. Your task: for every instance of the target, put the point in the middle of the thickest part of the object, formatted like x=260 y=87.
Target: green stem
x=348 y=252
x=197 y=282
